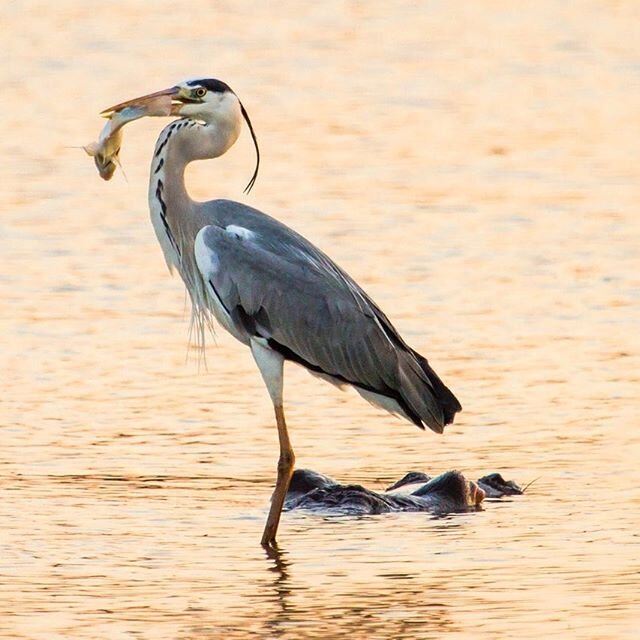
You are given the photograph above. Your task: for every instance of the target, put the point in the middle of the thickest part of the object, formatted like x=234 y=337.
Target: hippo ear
x=305 y=480
x=413 y=477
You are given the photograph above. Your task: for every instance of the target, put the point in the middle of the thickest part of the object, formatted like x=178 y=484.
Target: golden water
x=475 y=166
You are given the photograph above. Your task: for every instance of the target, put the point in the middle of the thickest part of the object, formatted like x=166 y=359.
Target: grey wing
x=303 y=305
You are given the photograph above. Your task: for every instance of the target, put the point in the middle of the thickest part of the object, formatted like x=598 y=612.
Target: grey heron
x=271 y=288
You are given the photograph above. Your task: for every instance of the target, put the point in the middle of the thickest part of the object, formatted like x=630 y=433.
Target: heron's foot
x=268 y=540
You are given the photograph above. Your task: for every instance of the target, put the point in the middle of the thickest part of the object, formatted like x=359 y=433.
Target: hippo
x=449 y=492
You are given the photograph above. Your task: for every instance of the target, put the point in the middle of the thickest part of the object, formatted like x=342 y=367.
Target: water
x=474 y=166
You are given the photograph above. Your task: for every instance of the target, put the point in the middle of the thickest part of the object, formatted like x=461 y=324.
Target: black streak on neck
x=162 y=145
x=163 y=216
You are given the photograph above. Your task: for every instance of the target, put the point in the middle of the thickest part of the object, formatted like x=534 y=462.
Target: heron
x=271 y=288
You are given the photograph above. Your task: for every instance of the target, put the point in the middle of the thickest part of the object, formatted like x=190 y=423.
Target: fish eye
x=200 y=92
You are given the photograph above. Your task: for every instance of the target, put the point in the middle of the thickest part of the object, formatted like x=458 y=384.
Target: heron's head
x=207 y=100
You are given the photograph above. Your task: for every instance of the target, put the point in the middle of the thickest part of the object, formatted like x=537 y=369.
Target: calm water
x=476 y=168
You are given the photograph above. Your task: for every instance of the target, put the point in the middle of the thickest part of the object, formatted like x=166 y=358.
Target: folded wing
x=303 y=306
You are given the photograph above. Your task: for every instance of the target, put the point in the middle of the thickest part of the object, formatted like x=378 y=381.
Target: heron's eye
x=200 y=92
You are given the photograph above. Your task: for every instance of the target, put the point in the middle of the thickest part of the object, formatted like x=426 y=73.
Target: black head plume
x=245 y=115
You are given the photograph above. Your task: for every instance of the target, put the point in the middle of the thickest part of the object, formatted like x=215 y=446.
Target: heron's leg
x=271 y=363
x=285 y=471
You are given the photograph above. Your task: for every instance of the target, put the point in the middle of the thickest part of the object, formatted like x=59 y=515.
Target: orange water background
x=474 y=165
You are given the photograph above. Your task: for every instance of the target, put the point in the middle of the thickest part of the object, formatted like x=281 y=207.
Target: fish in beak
x=105 y=152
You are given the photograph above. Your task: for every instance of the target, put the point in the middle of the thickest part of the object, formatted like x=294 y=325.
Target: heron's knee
x=285 y=462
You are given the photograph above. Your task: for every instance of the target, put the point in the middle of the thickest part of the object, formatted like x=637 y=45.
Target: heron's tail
x=428 y=397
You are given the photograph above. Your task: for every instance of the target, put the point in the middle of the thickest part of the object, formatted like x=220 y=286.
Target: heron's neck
x=174 y=214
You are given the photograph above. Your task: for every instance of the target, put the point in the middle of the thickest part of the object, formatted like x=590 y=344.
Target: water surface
x=475 y=167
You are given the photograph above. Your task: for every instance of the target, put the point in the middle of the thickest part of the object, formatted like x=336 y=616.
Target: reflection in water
x=459 y=160
x=281 y=587
x=345 y=617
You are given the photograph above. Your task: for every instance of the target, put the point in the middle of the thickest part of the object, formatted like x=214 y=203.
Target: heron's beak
x=160 y=103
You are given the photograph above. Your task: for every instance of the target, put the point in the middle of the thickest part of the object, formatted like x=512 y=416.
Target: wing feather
x=309 y=311
x=276 y=284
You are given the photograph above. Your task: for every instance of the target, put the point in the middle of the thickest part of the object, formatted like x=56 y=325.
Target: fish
x=106 y=151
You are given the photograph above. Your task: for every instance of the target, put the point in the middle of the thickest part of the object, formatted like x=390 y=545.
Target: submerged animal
x=268 y=286
x=448 y=492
